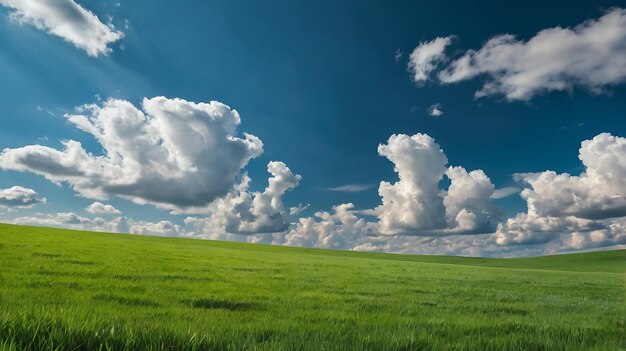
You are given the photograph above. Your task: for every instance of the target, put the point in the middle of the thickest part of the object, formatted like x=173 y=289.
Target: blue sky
x=322 y=84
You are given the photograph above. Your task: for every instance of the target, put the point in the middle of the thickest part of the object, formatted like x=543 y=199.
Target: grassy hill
x=72 y=290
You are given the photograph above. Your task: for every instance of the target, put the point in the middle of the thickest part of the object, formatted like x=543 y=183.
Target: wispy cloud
x=296 y=210
x=399 y=55
x=505 y=192
x=351 y=188
x=67 y=20
x=589 y=55
x=426 y=57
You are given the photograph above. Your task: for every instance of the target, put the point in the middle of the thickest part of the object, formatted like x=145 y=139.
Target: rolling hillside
x=62 y=289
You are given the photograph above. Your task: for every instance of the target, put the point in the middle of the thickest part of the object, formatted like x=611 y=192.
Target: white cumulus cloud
x=528 y=228
x=161 y=228
x=583 y=211
x=613 y=234
x=341 y=229
x=67 y=20
x=100 y=208
x=426 y=57
x=467 y=202
x=18 y=196
x=174 y=154
x=597 y=193
x=244 y=212
x=591 y=55
x=71 y=220
x=415 y=204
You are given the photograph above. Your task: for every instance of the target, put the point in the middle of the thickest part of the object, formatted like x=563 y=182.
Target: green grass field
x=72 y=290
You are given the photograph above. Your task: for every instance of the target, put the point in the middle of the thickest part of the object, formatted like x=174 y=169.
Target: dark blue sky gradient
x=317 y=81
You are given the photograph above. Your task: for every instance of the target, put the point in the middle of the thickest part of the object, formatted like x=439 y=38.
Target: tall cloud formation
x=67 y=20
x=416 y=216
x=590 y=55
x=415 y=205
x=174 y=154
x=580 y=207
x=245 y=212
x=18 y=196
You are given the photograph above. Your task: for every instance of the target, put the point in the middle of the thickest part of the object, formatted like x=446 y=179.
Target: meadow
x=72 y=290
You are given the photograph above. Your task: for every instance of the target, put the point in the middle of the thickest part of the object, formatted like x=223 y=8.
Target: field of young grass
x=71 y=290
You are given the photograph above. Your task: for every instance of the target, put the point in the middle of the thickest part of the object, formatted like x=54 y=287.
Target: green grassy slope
x=64 y=289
